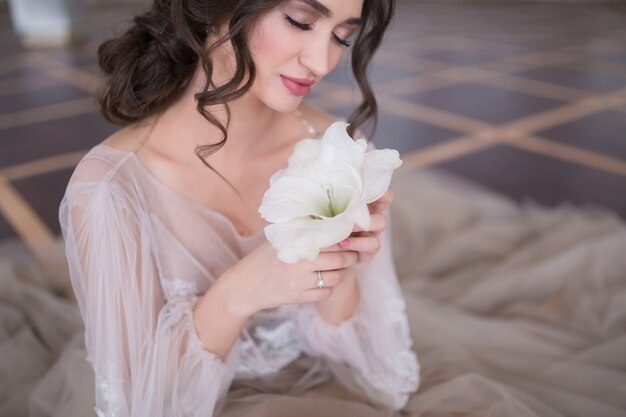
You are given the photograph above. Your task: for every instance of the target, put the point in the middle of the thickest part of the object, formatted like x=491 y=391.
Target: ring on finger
x=320 y=281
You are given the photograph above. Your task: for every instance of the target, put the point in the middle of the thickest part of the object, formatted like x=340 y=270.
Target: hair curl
x=149 y=66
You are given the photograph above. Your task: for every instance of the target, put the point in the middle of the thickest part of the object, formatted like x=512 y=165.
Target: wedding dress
x=512 y=309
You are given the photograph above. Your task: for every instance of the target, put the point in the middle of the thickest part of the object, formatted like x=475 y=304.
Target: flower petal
x=304 y=153
x=377 y=171
x=303 y=237
x=362 y=143
x=292 y=197
x=339 y=148
x=360 y=214
x=277 y=175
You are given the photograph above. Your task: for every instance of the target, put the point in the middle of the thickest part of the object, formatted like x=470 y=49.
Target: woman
x=514 y=310
x=179 y=291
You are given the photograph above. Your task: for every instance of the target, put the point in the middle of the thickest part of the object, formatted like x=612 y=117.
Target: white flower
x=315 y=201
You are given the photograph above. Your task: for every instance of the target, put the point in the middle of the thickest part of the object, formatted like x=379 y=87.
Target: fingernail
x=345 y=242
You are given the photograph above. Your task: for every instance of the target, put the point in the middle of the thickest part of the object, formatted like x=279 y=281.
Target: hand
x=260 y=280
x=367 y=243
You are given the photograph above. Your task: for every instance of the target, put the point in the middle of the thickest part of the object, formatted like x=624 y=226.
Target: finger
x=369 y=244
x=378 y=222
x=334 y=248
x=334 y=260
x=330 y=277
x=315 y=294
x=377 y=207
x=386 y=198
x=383 y=202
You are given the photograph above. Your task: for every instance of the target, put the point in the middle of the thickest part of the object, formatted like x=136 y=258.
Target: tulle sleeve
x=374 y=343
x=145 y=352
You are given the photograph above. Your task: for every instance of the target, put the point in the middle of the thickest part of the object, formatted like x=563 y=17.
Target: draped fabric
x=513 y=309
x=135 y=270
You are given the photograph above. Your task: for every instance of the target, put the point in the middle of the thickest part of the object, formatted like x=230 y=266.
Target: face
x=302 y=40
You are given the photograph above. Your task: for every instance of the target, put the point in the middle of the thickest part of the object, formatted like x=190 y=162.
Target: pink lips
x=298 y=86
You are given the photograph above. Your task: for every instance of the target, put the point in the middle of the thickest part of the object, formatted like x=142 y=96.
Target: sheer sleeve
x=146 y=355
x=375 y=342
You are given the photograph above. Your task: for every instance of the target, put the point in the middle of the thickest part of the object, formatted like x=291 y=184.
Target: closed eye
x=308 y=26
x=342 y=41
x=303 y=26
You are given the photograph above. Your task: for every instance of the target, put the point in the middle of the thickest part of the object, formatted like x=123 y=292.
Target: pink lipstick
x=297 y=86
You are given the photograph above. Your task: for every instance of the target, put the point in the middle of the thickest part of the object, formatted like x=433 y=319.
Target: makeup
x=295 y=87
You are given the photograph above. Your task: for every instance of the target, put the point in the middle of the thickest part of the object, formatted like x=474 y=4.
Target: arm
x=147 y=357
x=371 y=348
x=218 y=336
x=375 y=342
x=342 y=304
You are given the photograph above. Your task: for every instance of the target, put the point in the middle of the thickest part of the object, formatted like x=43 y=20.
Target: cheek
x=272 y=45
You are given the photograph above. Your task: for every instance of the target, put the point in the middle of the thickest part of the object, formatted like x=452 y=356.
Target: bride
x=178 y=289
x=185 y=310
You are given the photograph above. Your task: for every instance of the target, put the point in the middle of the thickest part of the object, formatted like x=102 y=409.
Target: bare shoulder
x=128 y=138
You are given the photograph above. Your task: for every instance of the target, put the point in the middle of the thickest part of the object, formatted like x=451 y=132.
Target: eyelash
x=306 y=26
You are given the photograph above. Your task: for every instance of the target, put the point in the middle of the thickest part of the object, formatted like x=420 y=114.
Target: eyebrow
x=326 y=11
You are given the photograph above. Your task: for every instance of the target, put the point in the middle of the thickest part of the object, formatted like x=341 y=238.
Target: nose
x=316 y=56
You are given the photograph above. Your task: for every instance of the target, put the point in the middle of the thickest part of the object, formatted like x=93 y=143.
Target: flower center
x=338 y=198
x=331 y=209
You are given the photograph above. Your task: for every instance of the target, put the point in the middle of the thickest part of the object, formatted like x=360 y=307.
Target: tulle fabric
x=513 y=310
x=147 y=358
x=133 y=247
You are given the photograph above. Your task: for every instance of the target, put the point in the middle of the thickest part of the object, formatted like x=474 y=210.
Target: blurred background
x=525 y=98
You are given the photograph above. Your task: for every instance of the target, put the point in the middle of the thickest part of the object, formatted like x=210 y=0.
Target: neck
x=249 y=132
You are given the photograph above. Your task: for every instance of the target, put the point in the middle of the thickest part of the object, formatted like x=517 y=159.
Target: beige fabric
x=514 y=310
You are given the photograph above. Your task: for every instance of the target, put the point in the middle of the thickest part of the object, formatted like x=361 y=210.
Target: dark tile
x=377 y=73
x=45 y=96
x=93 y=70
x=75 y=56
x=44 y=194
x=601 y=132
x=25 y=143
x=401 y=133
x=31 y=84
x=522 y=175
x=620 y=58
x=6 y=231
x=21 y=71
x=459 y=57
x=583 y=80
x=9 y=41
x=489 y=104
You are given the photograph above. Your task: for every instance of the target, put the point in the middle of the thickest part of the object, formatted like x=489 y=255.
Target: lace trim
x=195 y=340
x=178 y=288
x=109 y=388
x=272 y=347
x=404 y=364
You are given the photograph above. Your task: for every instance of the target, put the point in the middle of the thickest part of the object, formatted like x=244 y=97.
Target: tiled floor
x=527 y=99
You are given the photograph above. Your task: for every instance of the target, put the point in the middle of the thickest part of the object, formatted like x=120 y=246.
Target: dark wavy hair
x=148 y=67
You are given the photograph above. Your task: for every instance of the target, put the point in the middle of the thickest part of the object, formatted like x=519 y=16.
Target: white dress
x=513 y=310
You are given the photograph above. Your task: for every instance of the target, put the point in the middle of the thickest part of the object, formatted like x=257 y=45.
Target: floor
x=525 y=99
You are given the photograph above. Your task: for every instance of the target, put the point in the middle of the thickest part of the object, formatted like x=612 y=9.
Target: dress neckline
x=190 y=201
